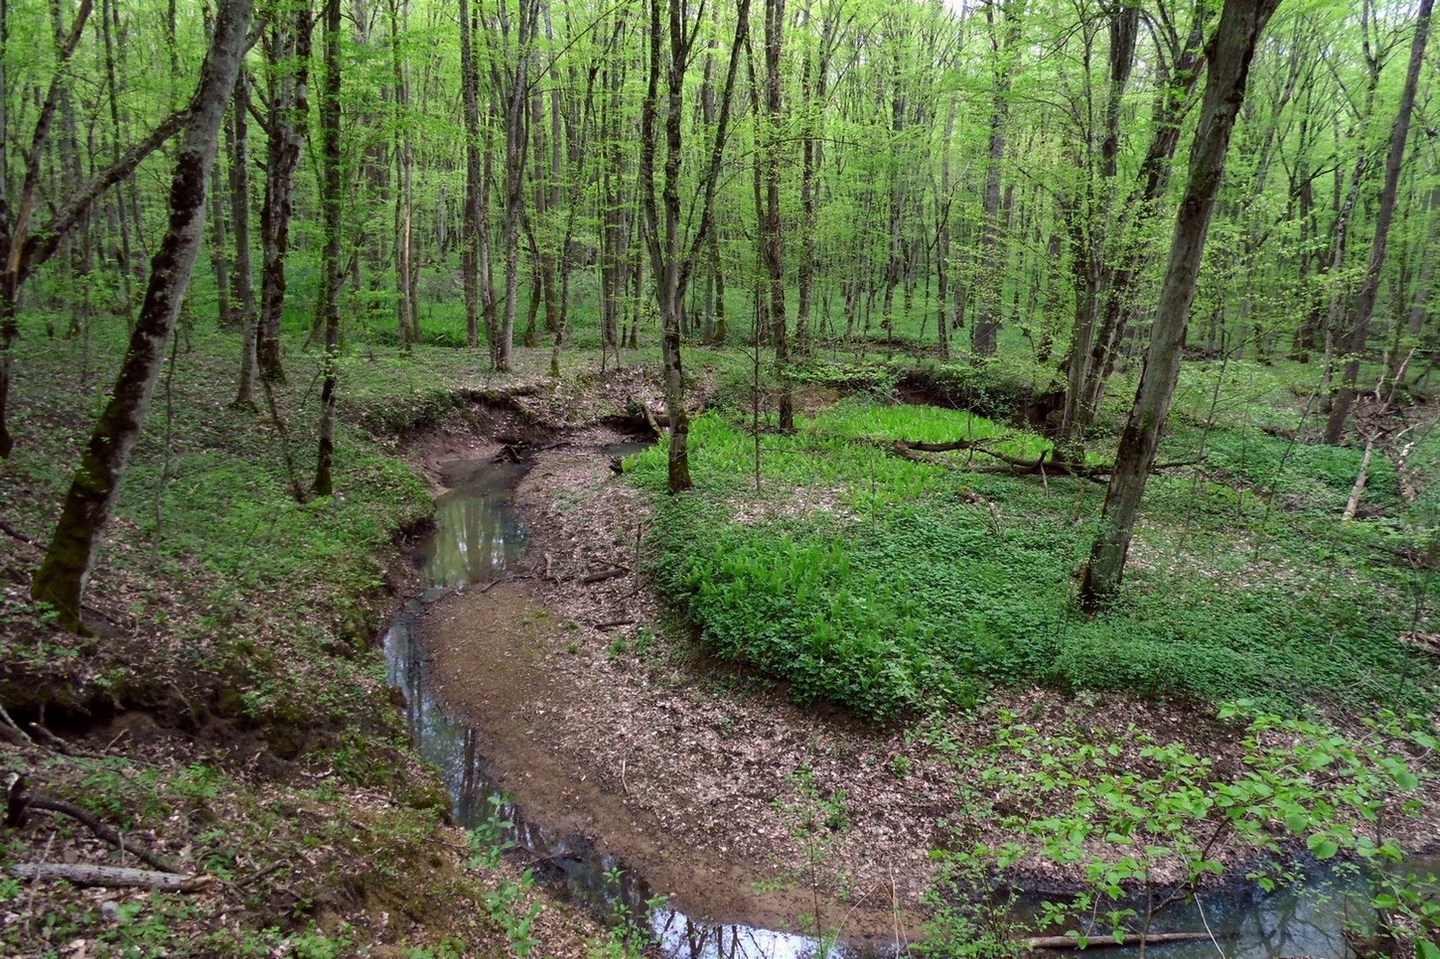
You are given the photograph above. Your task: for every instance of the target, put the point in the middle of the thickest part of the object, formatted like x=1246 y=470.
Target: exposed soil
x=690 y=770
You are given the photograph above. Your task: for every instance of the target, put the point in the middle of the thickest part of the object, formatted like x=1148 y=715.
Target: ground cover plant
x=888 y=585
x=230 y=712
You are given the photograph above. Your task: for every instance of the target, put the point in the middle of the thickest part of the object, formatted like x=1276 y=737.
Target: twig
x=30 y=898
x=1200 y=908
x=612 y=623
x=9 y=530
x=257 y=876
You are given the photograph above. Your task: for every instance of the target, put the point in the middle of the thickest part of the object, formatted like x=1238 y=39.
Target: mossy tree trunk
x=289 y=46
x=1229 y=55
x=60 y=580
x=330 y=200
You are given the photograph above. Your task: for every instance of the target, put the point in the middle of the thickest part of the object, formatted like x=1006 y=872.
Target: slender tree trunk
x=992 y=254
x=943 y=204
x=1229 y=55
x=289 y=105
x=671 y=268
x=405 y=174
x=243 y=281
x=1114 y=284
x=219 y=241
x=773 y=230
x=331 y=198
x=1352 y=342
x=60 y=580
x=15 y=232
x=474 y=222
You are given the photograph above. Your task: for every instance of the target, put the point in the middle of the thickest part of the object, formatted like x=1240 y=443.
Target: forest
x=719 y=478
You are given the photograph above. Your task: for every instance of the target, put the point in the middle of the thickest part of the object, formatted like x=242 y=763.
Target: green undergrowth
x=886 y=585
x=235 y=698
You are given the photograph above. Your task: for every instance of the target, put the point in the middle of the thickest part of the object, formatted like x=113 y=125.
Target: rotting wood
x=1108 y=942
x=1042 y=466
x=655 y=427
x=601 y=577
x=101 y=831
x=114 y=877
x=1358 y=490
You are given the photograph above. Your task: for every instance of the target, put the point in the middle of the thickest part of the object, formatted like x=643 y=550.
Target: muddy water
x=477 y=538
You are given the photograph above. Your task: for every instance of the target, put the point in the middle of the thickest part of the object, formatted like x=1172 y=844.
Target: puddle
x=477 y=538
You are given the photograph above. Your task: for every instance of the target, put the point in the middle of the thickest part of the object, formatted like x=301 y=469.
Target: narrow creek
x=479 y=535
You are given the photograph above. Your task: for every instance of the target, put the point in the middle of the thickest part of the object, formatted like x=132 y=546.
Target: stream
x=478 y=536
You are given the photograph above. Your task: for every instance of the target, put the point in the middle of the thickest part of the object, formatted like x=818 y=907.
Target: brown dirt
x=689 y=770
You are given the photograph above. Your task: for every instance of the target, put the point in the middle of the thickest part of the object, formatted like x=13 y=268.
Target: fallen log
x=114 y=877
x=93 y=823
x=1108 y=942
x=601 y=577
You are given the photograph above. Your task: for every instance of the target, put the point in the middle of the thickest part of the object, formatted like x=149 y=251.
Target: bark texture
x=1229 y=55
x=61 y=578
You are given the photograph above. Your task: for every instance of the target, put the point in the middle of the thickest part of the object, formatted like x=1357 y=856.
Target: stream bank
x=638 y=749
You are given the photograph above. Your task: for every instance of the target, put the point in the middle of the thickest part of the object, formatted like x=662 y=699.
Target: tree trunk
x=987 y=322
x=14 y=234
x=1110 y=289
x=330 y=201
x=1352 y=342
x=772 y=230
x=1229 y=55
x=474 y=218
x=671 y=268
x=219 y=241
x=289 y=104
x=243 y=281
x=60 y=580
x=405 y=174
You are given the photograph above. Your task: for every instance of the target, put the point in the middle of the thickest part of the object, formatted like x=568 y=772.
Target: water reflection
x=477 y=537
x=477 y=534
x=1304 y=919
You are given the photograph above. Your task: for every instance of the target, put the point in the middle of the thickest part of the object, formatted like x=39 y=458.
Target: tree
x=670 y=262
x=1004 y=52
x=60 y=581
x=287 y=47
x=772 y=235
x=1229 y=54
x=243 y=280
x=1352 y=341
x=330 y=203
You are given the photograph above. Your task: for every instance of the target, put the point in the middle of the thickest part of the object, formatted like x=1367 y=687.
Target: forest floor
x=233 y=714
x=613 y=718
x=230 y=712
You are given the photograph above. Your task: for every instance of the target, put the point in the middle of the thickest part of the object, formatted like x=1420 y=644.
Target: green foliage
x=889 y=586
x=1117 y=808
